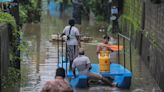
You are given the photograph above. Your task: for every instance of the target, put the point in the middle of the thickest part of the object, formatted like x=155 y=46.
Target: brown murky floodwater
x=41 y=59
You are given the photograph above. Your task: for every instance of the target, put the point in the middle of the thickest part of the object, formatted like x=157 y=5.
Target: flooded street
x=40 y=62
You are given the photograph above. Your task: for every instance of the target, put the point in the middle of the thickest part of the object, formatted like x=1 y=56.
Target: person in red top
x=59 y=84
x=103 y=45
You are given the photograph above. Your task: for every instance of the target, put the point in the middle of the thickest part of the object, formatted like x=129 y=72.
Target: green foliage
x=131 y=21
x=99 y=18
x=22 y=47
x=131 y=15
x=109 y=29
x=11 y=79
x=23 y=14
x=29 y=12
x=99 y=8
x=8 y=19
x=24 y=73
x=33 y=3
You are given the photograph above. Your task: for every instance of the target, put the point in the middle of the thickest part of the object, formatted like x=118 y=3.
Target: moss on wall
x=131 y=16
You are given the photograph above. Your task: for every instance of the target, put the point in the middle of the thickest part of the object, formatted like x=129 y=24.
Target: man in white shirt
x=83 y=65
x=72 y=41
x=114 y=10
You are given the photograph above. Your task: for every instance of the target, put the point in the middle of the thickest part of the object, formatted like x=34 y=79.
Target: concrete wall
x=147 y=34
x=153 y=41
x=4 y=49
x=4 y=46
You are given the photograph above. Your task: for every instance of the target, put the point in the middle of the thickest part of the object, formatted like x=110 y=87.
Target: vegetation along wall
x=143 y=21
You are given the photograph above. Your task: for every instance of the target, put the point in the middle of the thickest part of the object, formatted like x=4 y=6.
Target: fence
x=124 y=38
